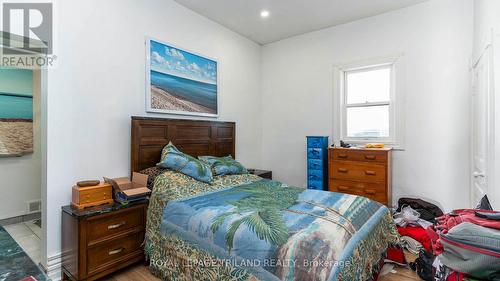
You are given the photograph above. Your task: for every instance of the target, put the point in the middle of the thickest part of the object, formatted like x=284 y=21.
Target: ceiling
x=288 y=17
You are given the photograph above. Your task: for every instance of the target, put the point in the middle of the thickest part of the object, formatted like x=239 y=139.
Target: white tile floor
x=28 y=236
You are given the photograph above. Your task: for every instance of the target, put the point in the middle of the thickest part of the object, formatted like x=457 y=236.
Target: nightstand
x=261 y=173
x=100 y=240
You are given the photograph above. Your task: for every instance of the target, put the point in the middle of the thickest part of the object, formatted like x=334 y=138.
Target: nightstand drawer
x=359 y=155
x=118 y=222
x=105 y=255
x=346 y=170
x=374 y=191
x=101 y=240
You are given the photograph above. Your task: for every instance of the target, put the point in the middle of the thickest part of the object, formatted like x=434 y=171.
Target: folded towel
x=411 y=244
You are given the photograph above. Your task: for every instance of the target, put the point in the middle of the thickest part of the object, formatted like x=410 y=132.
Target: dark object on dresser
x=261 y=173
x=344 y=145
x=100 y=240
x=317 y=162
x=88 y=183
x=363 y=172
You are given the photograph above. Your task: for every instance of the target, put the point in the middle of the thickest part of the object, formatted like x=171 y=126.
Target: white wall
x=21 y=176
x=436 y=39
x=486 y=26
x=100 y=80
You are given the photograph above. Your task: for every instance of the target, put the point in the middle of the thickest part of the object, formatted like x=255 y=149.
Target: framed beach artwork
x=179 y=81
x=16 y=112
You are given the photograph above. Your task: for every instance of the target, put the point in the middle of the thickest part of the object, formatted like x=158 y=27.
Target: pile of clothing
x=461 y=245
x=413 y=217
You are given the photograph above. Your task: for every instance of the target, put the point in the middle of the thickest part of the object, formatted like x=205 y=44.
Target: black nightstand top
x=99 y=210
x=261 y=173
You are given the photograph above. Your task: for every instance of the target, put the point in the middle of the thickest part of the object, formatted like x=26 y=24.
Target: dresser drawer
x=317 y=142
x=315 y=153
x=359 y=155
x=315 y=175
x=373 y=191
x=354 y=171
x=318 y=185
x=88 y=196
x=102 y=256
x=110 y=225
x=315 y=164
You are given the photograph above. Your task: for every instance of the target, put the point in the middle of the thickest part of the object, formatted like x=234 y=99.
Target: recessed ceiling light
x=264 y=14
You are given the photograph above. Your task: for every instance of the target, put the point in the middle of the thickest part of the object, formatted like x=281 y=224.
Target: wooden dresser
x=364 y=172
x=100 y=240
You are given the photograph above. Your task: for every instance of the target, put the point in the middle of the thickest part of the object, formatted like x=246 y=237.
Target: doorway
x=22 y=160
x=483 y=129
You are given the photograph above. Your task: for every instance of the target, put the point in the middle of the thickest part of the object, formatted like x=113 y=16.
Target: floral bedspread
x=242 y=227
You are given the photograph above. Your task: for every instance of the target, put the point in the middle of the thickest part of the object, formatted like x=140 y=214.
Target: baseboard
x=20 y=218
x=54 y=267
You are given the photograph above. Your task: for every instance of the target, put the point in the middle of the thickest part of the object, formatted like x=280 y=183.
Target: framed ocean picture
x=16 y=112
x=179 y=81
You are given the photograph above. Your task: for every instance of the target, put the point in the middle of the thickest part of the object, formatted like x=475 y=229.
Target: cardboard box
x=125 y=189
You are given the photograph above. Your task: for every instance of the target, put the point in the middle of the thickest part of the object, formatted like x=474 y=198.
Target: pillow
x=224 y=165
x=175 y=160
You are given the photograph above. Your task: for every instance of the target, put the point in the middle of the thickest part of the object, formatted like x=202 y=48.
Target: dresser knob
x=370 y=173
x=370 y=157
x=342 y=170
x=370 y=191
x=342 y=155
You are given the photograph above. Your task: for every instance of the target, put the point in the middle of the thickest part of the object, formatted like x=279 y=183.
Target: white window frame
x=396 y=118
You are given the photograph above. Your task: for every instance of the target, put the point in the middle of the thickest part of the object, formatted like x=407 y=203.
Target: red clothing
x=417 y=233
x=448 y=221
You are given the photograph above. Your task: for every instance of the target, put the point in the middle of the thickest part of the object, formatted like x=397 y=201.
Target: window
x=367 y=99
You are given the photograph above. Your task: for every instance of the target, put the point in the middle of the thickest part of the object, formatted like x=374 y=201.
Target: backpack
x=423 y=265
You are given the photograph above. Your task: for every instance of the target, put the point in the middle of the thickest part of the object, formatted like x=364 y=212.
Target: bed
x=242 y=227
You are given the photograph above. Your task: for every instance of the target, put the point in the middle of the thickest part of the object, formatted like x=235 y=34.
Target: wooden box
x=83 y=197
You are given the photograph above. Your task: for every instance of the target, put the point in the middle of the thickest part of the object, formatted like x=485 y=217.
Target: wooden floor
x=141 y=273
x=135 y=273
x=401 y=274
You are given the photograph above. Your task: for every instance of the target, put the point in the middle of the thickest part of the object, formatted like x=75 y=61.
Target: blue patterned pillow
x=224 y=165
x=172 y=158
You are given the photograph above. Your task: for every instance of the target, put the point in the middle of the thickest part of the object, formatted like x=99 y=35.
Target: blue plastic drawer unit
x=317 y=163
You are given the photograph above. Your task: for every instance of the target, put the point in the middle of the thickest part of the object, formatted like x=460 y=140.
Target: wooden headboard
x=194 y=137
